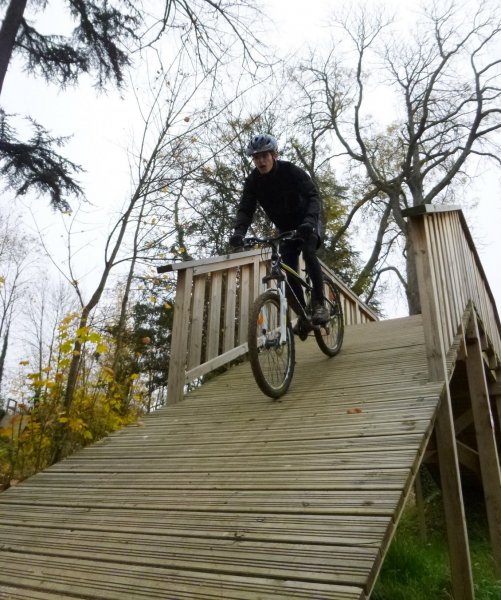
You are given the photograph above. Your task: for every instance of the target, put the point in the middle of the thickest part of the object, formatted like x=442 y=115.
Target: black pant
x=290 y=256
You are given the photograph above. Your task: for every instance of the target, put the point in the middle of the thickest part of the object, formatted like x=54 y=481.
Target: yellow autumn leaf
x=67 y=346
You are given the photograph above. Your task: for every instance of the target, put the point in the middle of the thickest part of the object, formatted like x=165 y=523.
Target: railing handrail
x=215 y=262
x=213 y=300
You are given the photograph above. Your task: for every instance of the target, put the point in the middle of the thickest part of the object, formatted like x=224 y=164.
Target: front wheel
x=330 y=336
x=272 y=357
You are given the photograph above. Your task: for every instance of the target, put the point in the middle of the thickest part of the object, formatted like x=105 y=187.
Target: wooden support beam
x=495 y=396
x=486 y=441
x=463 y=421
x=457 y=535
x=469 y=458
x=418 y=490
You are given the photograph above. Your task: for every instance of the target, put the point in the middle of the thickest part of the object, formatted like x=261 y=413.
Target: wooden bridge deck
x=230 y=495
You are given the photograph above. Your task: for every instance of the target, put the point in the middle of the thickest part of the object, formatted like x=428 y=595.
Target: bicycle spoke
x=330 y=336
x=272 y=358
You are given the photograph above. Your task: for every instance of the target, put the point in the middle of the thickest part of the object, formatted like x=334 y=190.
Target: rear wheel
x=272 y=358
x=330 y=336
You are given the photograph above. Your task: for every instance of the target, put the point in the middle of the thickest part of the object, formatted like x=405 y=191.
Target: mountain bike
x=270 y=339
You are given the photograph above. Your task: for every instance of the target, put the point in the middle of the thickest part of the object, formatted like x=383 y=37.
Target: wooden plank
x=393 y=478
x=331 y=502
x=325 y=529
x=197 y=323
x=215 y=363
x=230 y=306
x=246 y=298
x=214 y=323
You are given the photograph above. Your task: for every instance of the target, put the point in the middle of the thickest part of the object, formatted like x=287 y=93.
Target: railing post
x=179 y=340
x=457 y=535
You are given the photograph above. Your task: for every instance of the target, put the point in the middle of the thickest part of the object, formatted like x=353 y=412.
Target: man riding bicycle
x=291 y=201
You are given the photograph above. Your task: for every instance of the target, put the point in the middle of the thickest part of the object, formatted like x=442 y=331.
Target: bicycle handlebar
x=248 y=242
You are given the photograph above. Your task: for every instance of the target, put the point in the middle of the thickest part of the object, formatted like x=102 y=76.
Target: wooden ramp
x=230 y=495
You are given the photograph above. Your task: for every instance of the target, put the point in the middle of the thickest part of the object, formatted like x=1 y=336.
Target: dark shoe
x=302 y=328
x=320 y=315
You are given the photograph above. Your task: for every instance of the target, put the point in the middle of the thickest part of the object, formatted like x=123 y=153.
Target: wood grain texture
x=230 y=495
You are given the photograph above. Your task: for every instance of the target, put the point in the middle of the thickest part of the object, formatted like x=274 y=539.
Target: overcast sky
x=101 y=128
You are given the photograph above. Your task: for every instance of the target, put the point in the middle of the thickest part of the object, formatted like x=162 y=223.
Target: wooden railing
x=451 y=278
x=211 y=311
x=460 y=322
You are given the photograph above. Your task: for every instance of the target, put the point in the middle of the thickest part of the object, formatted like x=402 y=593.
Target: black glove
x=237 y=240
x=305 y=230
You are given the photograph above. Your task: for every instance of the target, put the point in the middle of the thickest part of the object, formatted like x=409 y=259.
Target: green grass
x=418 y=569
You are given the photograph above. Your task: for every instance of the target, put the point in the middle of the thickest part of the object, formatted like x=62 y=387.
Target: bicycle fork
x=281 y=330
x=283 y=312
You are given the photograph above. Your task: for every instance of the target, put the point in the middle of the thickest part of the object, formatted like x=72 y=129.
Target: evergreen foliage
x=35 y=165
x=97 y=45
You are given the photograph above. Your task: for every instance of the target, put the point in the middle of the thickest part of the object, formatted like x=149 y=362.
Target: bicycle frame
x=276 y=274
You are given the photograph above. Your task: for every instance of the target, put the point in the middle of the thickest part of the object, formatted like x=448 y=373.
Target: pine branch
x=35 y=165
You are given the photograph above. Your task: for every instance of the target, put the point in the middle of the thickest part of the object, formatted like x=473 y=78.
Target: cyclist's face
x=264 y=161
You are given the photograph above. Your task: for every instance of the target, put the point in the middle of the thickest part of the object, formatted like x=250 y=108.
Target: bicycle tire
x=272 y=360
x=330 y=337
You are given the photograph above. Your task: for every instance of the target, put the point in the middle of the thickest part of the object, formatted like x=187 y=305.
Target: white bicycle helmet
x=262 y=143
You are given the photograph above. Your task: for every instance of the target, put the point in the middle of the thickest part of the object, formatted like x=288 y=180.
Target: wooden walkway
x=230 y=495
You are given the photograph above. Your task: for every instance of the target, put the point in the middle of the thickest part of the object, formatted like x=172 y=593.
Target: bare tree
x=17 y=251
x=46 y=306
x=446 y=83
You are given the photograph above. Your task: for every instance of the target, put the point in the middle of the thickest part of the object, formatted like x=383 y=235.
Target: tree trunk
x=361 y=283
x=3 y=354
x=8 y=32
x=412 y=289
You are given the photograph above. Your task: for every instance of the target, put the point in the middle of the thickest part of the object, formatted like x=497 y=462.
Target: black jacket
x=287 y=195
